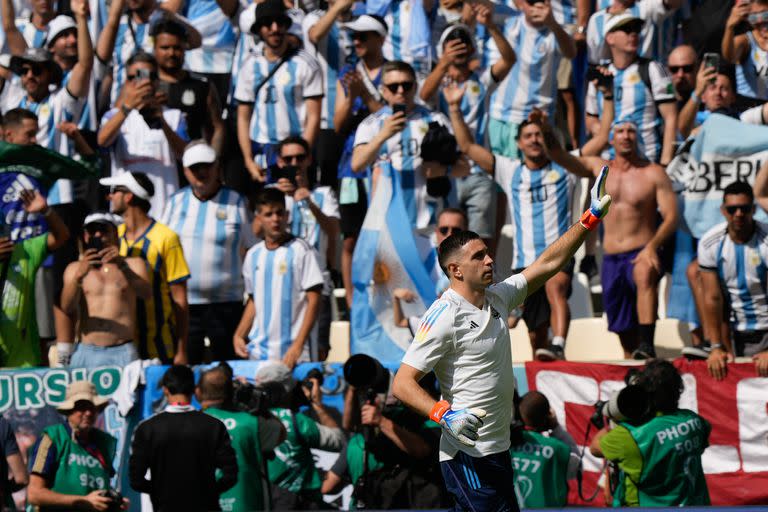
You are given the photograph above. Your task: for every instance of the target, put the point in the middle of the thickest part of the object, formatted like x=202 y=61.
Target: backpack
x=400 y=487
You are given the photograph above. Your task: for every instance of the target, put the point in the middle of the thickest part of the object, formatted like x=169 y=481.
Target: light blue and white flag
x=386 y=258
x=724 y=151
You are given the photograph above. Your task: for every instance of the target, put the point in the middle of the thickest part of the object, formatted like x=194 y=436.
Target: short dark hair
x=293 y=139
x=179 y=380
x=269 y=196
x=216 y=385
x=142 y=179
x=16 y=116
x=534 y=410
x=398 y=65
x=520 y=127
x=169 y=26
x=663 y=384
x=455 y=211
x=738 y=188
x=141 y=56
x=451 y=245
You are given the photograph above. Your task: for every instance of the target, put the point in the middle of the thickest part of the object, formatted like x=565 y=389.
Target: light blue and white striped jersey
x=752 y=74
x=88 y=119
x=633 y=100
x=219 y=38
x=130 y=37
x=539 y=203
x=532 y=82
x=57 y=107
x=278 y=281
x=564 y=11
x=742 y=271
x=332 y=52
x=279 y=110
x=398 y=18
x=474 y=104
x=34 y=37
x=214 y=234
x=303 y=224
x=246 y=45
x=653 y=12
x=403 y=150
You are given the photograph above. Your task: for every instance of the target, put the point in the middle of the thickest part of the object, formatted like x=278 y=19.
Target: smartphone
x=593 y=73
x=143 y=74
x=398 y=107
x=95 y=243
x=712 y=60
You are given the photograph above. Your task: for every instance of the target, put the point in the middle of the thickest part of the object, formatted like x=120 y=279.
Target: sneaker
x=644 y=352
x=588 y=266
x=700 y=352
x=550 y=353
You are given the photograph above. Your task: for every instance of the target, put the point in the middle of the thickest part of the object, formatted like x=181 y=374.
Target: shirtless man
x=110 y=285
x=632 y=237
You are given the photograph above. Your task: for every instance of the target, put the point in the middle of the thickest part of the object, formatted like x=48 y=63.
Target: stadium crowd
x=187 y=180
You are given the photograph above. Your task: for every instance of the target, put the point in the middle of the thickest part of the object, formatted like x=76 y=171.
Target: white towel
x=133 y=375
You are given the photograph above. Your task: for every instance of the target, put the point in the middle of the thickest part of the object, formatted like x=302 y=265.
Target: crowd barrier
x=736 y=462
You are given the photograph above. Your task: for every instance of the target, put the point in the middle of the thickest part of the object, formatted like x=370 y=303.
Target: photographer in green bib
x=252 y=436
x=659 y=457
x=71 y=464
x=544 y=455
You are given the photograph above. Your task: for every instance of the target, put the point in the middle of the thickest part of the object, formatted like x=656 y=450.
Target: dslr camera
x=630 y=404
x=115 y=500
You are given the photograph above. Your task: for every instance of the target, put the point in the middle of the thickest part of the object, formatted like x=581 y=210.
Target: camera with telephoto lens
x=257 y=400
x=630 y=404
x=115 y=500
x=367 y=374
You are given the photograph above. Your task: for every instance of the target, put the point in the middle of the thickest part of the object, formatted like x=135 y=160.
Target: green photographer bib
x=541 y=471
x=248 y=492
x=671 y=446
x=79 y=473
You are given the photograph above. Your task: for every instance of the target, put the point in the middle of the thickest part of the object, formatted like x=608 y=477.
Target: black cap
x=269 y=11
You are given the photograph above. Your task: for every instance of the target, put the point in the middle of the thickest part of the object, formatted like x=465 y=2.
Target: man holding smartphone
x=110 y=285
x=395 y=133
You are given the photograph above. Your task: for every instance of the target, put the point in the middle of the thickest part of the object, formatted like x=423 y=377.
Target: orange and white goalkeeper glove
x=600 y=203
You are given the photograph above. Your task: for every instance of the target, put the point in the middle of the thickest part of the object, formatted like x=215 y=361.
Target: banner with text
x=736 y=461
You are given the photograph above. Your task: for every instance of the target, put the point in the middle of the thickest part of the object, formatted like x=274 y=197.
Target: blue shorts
x=93 y=356
x=619 y=291
x=481 y=484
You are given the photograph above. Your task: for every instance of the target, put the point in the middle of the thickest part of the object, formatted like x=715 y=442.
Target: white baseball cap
x=127 y=180
x=619 y=20
x=103 y=218
x=198 y=153
x=366 y=23
x=58 y=25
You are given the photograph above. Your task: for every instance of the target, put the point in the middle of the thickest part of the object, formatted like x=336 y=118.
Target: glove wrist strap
x=438 y=410
x=589 y=220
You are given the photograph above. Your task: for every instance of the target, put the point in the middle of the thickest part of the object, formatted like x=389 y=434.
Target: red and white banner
x=736 y=462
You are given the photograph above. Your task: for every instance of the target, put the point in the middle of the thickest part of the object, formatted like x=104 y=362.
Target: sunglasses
x=116 y=189
x=36 y=70
x=267 y=21
x=96 y=227
x=449 y=230
x=687 y=68
x=393 y=88
x=361 y=36
x=295 y=158
x=743 y=208
x=632 y=28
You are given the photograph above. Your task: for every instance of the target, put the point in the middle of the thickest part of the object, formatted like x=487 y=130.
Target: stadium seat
x=589 y=340
x=671 y=336
x=503 y=263
x=521 y=344
x=339 y=339
x=580 y=301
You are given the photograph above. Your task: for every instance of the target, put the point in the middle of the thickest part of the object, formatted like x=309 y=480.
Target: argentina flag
x=386 y=258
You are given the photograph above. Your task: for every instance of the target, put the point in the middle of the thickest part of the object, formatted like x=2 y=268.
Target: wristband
x=695 y=98
x=589 y=220
x=718 y=346
x=438 y=410
x=609 y=98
